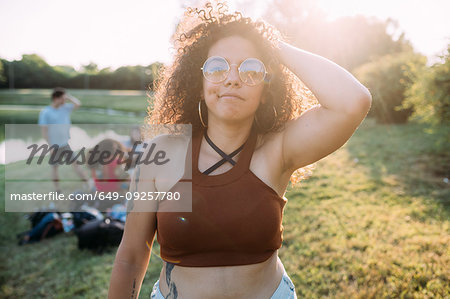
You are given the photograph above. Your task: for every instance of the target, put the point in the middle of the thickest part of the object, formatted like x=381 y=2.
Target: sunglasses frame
x=239 y=70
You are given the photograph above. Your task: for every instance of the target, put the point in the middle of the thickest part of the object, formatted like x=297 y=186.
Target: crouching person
x=50 y=225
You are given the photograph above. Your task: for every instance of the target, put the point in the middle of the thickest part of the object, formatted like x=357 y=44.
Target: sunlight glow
x=116 y=33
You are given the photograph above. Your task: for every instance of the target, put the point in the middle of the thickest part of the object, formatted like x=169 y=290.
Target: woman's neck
x=228 y=138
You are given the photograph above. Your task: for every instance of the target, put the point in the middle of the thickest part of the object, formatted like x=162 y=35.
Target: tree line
x=32 y=71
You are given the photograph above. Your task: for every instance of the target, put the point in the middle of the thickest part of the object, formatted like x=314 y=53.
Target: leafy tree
x=90 y=68
x=2 y=74
x=106 y=70
x=387 y=78
x=6 y=73
x=153 y=71
x=429 y=95
x=429 y=98
x=67 y=70
x=348 y=41
x=103 y=79
x=33 y=72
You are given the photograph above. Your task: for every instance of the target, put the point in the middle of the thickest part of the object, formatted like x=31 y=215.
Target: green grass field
x=125 y=100
x=371 y=222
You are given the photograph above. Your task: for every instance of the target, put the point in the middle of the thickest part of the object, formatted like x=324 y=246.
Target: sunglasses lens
x=215 y=69
x=252 y=71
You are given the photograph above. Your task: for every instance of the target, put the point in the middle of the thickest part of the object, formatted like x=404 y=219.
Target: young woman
x=233 y=81
x=109 y=176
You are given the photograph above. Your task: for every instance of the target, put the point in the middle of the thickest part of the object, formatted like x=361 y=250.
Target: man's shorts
x=63 y=156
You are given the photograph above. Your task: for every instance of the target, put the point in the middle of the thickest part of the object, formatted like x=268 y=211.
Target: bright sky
x=116 y=33
x=426 y=23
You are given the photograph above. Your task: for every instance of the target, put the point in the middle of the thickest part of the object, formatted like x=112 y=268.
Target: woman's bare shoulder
x=172 y=152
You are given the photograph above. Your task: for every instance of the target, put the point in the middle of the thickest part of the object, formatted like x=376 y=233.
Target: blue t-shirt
x=58 y=122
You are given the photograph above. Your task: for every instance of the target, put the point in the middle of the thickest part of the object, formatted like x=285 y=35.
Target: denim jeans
x=285 y=289
x=36 y=233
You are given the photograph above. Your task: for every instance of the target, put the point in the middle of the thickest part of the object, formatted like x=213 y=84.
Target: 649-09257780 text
x=98 y=195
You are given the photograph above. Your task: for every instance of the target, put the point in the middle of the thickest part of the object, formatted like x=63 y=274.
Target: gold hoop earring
x=200 y=113
x=274 y=119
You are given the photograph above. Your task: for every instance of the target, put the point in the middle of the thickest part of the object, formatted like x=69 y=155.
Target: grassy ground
x=78 y=117
x=371 y=222
x=126 y=100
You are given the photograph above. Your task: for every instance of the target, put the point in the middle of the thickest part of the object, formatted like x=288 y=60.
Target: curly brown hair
x=179 y=88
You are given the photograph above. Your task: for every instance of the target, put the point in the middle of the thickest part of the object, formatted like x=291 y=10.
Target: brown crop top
x=236 y=218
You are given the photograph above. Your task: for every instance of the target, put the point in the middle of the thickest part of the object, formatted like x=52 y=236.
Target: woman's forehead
x=234 y=48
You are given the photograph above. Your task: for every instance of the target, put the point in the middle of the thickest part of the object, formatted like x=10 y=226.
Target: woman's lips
x=230 y=97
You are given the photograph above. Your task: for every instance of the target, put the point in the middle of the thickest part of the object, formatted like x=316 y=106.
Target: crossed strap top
x=236 y=218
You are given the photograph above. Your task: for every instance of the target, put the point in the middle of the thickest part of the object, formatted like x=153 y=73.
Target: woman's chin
x=232 y=119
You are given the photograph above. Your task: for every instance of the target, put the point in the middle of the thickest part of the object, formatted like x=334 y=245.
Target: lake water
x=19 y=137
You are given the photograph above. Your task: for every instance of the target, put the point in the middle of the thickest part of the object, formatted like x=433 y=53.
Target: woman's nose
x=233 y=78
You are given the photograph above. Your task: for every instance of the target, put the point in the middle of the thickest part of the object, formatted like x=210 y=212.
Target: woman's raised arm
x=319 y=131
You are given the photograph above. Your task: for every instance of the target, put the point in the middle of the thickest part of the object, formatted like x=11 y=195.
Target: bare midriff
x=256 y=281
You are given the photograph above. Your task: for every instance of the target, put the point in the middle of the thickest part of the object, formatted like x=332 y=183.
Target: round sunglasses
x=251 y=71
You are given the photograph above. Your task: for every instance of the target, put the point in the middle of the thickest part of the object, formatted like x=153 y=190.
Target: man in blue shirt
x=55 y=125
